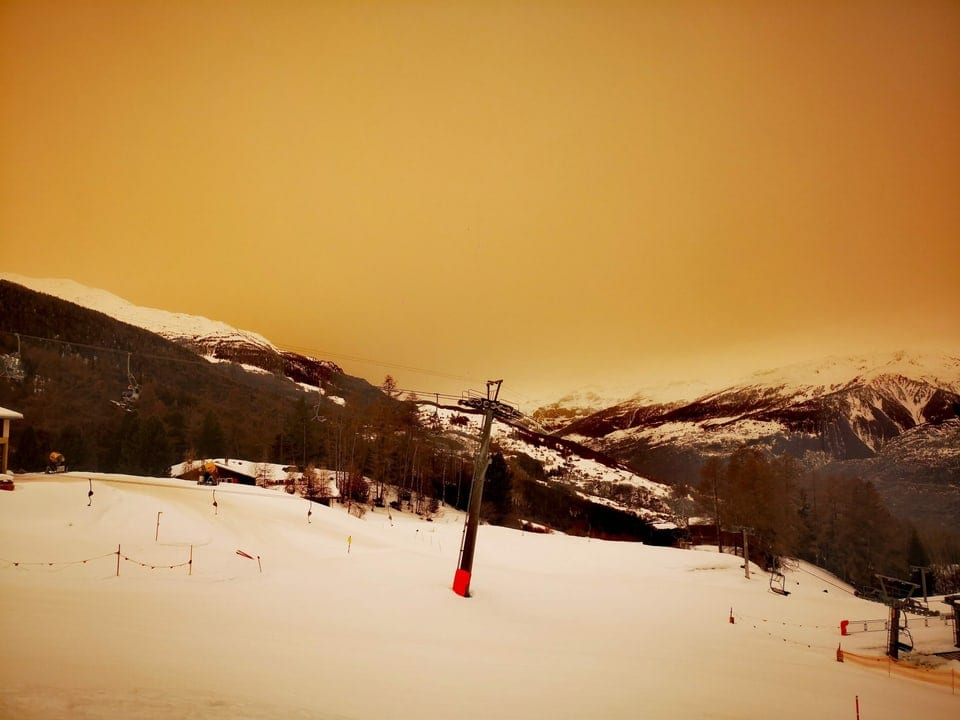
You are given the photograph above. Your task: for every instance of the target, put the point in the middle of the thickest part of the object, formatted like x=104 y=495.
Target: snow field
x=558 y=626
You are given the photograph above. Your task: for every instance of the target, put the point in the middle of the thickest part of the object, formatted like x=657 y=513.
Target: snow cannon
x=208 y=476
x=56 y=463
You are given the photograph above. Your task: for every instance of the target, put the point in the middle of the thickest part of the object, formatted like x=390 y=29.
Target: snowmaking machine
x=56 y=463
x=208 y=474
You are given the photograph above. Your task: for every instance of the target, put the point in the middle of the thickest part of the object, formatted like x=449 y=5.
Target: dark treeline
x=835 y=521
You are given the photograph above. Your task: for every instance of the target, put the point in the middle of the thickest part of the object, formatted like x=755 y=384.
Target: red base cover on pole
x=461 y=582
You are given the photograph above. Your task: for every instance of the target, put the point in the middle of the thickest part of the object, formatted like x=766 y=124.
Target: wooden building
x=6 y=416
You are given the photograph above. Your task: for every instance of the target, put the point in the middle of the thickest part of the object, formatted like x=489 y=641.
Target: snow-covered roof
x=271 y=472
x=6 y=414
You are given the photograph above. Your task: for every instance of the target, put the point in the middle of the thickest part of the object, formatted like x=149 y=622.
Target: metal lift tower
x=491 y=407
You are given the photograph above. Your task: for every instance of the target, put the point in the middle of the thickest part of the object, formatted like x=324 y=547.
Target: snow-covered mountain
x=178 y=327
x=569 y=468
x=855 y=409
x=851 y=406
x=211 y=339
x=556 y=414
x=835 y=411
x=817 y=377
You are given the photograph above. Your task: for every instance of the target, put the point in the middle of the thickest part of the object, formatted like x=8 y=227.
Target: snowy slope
x=558 y=627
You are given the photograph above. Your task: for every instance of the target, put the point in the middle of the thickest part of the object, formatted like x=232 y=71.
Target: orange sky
x=552 y=193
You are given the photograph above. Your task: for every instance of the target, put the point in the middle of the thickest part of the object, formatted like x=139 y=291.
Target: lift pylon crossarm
x=501 y=409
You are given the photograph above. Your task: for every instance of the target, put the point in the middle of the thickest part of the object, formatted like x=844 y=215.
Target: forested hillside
x=836 y=521
x=75 y=364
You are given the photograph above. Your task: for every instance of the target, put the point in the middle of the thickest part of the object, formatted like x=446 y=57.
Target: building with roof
x=6 y=416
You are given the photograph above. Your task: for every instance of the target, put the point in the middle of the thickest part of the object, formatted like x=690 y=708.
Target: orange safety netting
x=943 y=678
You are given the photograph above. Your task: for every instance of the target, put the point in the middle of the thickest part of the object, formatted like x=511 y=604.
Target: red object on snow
x=461 y=582
x=843 y=627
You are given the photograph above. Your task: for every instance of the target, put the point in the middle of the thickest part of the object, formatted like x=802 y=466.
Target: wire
x=823 y=579
x=108 y=349
x=784 y=622
x=18 y=563
x=314 y=352
x=427 y=395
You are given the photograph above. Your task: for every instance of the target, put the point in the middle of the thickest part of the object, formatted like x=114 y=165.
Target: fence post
x=118 y=560
x=190 y=563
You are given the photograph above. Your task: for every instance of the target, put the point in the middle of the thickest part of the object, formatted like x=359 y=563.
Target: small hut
x=6 y=416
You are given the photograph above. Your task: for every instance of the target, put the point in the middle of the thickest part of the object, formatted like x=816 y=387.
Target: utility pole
x=490 y=406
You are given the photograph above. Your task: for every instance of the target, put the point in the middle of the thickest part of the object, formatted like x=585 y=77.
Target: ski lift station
x=6 y=416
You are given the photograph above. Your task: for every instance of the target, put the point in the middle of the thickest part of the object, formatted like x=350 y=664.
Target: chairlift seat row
x=13 y=364
x=13 y=367
x=131 y=395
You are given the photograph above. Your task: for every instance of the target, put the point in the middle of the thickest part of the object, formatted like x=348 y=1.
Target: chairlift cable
x=382 y=363
x=102 y=348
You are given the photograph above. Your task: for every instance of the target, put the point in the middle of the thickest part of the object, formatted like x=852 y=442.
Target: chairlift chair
x=778 y=583
x=13 y=364
x=905 y=641
x=129 y=396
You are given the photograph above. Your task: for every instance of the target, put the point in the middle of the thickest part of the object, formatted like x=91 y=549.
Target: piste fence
x=884 y=663
x=118 y=554
x=777 y=629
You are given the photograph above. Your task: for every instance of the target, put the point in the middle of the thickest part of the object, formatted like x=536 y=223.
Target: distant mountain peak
x=849 y=412
x=837 y=371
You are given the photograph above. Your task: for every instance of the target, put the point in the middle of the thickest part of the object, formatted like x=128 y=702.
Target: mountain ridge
x=213 y=340
x=280 y=406
x=845 y=424
x=841 y=411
